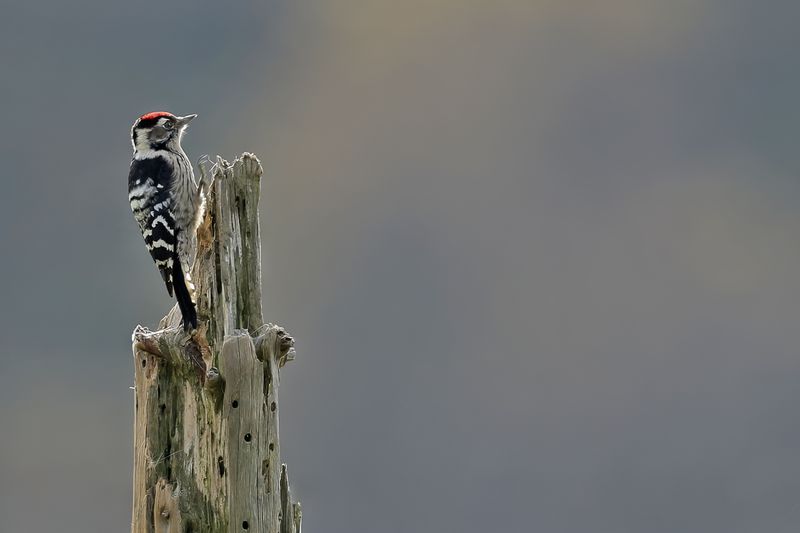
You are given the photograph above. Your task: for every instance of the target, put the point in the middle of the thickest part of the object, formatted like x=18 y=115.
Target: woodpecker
x=166 y=201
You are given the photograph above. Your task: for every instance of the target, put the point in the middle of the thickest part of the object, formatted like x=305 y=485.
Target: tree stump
x=206 y=448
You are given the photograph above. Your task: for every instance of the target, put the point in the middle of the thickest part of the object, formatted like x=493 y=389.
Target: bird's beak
x=183 y=121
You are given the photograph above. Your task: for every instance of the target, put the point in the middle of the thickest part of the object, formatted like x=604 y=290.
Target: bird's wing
x=151 y=204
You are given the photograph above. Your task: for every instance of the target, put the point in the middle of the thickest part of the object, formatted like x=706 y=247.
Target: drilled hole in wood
x=245 y=525
x=144 y=363
x=248 y=437
x=221 y=466
x=271 y=446
x=272 y=407
x=235 y=404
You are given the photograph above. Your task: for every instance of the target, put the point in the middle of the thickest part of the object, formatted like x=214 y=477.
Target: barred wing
x=151 y=203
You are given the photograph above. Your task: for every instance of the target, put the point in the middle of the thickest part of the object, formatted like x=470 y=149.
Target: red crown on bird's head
x=153 y=115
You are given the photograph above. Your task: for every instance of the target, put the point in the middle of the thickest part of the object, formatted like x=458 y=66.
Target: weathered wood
x=291 y=514
x=206 y=449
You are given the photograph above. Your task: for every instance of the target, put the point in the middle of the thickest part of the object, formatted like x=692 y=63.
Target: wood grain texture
x=206 y=447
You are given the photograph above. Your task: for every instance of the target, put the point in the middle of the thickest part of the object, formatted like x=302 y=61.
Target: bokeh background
x=540 y=256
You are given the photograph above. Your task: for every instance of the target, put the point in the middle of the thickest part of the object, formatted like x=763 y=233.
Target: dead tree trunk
x=206 y=449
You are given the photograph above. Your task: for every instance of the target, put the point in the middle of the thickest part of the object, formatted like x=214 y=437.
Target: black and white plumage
x=166 y=202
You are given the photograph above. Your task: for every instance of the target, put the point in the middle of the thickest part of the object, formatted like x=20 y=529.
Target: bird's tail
x=182 y=294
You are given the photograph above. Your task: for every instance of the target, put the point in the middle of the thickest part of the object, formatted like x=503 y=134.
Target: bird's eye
x=169 y=124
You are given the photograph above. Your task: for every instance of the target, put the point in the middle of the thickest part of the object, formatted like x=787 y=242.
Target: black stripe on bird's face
x=154 y=132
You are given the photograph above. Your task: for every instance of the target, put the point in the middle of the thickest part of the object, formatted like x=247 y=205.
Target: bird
x=166 y=202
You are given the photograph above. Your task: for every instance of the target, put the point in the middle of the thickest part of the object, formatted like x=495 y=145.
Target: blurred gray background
x=541 y=257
